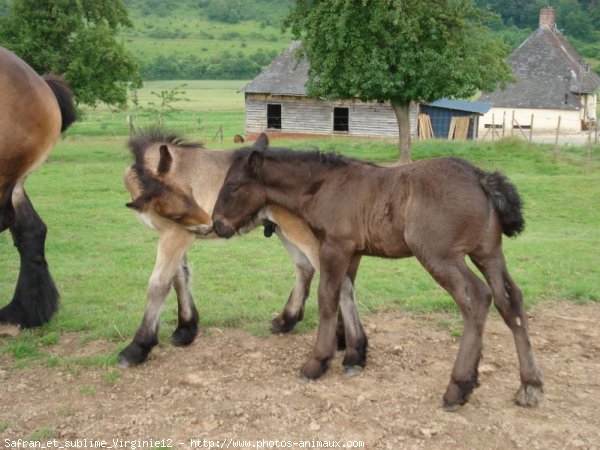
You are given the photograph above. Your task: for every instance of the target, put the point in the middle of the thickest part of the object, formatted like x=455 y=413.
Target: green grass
x=200 y=95
x=185 y=30
x=101 y=256
x=208 y=106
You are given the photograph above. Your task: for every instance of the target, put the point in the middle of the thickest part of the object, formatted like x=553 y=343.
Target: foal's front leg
x=172 y=245
x=334 y=262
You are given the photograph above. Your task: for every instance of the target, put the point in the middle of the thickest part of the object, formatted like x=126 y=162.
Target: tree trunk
x=401 y=109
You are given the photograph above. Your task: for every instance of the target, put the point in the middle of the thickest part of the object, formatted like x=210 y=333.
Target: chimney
x=547 y=18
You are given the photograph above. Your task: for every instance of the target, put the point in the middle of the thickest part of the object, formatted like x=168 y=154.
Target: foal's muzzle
x=222 y=229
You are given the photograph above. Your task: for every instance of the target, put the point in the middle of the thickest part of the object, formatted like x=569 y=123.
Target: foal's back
x=388 y=211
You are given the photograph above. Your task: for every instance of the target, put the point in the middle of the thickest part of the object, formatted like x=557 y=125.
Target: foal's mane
x=140 y=143
x=312 y=157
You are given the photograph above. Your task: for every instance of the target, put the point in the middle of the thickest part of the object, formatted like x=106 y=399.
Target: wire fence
x=529 y=131
x=205 y=126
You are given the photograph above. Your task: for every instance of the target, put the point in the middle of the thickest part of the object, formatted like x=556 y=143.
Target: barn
x=553 y=85
x=276 y=101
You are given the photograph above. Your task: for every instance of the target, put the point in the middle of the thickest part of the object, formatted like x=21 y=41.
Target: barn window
x=341 y=119
x=274 y=117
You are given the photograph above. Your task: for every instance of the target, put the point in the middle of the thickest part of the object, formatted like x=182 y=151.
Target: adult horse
x=34 y=111
x=173 y=186
x=438 y=210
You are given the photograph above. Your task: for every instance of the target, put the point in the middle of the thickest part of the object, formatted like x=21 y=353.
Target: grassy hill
x=235 y=39
x=194 y=39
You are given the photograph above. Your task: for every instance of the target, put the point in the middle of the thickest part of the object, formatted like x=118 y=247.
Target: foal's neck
x=292 y=184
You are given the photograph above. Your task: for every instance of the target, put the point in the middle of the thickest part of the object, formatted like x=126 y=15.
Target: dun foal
x=174 y=186
x=438 y=210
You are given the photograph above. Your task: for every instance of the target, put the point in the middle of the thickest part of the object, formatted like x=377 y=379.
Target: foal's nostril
x=222 y=229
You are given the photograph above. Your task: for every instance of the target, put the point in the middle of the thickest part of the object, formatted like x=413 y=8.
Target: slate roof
x=287 y=75
x=284 y=76
x=549 y=72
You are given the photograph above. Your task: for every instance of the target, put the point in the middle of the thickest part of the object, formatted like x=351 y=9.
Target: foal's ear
x=164 y=164
x=255 y=162
x=138 y=204
x=262 y=142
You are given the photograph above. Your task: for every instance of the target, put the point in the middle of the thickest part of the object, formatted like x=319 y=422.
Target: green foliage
x=78 y=40
x=575 y=18
x=400 y=50
x=226 y=66
x=165 y=102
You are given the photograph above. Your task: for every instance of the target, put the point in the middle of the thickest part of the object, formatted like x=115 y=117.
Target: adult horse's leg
x=334 y=260
x=293 y=311
x=7 y=211
x=473 y=297
x=172 y=246
x=187 y=315
x=509 y=302
x=36 y=298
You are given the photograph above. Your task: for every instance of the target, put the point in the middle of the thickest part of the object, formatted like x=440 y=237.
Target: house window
x=341 y=119
x=274 y=117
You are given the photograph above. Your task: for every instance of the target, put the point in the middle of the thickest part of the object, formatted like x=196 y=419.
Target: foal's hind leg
x=36 y=298
x=473 y=297
x=172 y=246
x=350 y=331
x=509 y=302
x=293 y=312
x=187 y=315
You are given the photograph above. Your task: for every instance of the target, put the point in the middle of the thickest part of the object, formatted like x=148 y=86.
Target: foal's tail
x=64 y=97
x=506 y=201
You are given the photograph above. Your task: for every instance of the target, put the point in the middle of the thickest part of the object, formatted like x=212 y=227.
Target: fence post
x=557 y=134
x=531 y=130
x=503 y=123
x=512 y=123
x=493 y=127
x=130 y=124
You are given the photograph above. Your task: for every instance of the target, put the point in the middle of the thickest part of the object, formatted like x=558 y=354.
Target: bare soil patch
x=232 y=385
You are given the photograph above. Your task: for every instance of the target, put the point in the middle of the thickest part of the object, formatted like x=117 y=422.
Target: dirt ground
x=231 y=386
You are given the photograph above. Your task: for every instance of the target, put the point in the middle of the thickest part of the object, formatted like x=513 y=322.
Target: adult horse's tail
x=506 y=201
x=64 y=97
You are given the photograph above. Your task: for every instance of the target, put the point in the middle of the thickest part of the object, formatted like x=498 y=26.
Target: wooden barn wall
x=314 y=116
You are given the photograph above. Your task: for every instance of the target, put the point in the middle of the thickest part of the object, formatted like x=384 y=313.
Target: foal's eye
x=232 y=188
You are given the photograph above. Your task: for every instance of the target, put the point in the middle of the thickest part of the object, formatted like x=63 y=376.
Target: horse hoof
x=313 y=369
x=132 y=355
x=457 y=394
x=304 y=378
x=529 y=395
x=184 y=336
x=124 y=364
x=352 y=371
x=281 y=326
x=451 y=407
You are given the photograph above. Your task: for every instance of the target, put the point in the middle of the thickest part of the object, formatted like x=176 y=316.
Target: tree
x=76 y=39
x=398 y=51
